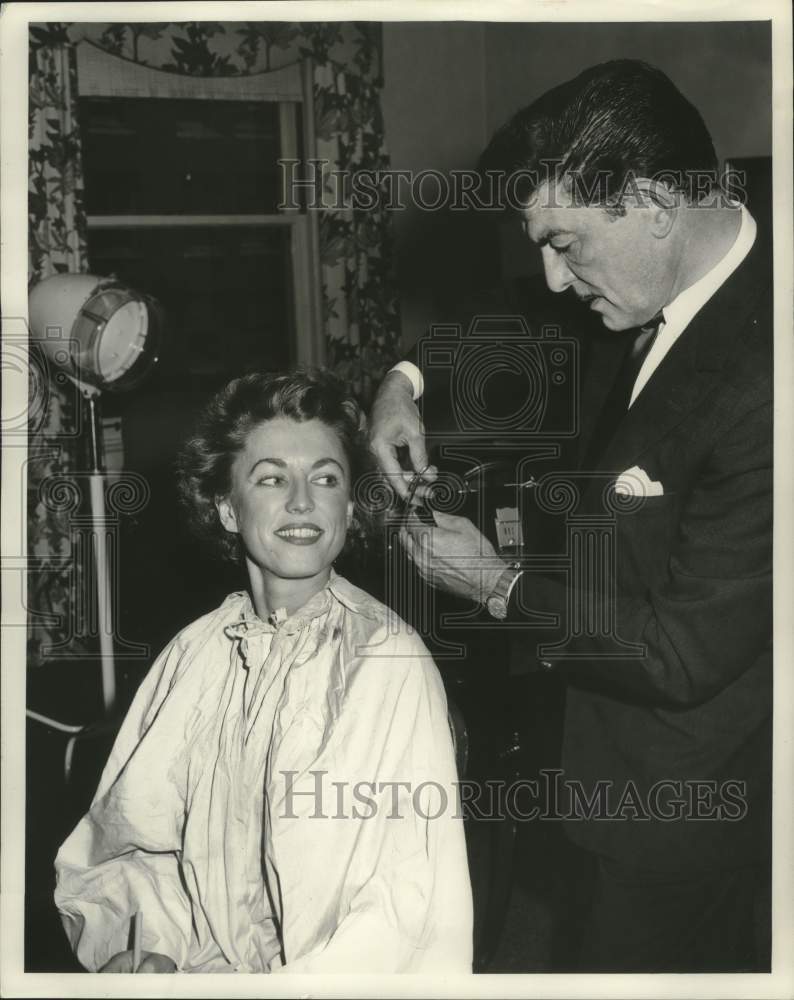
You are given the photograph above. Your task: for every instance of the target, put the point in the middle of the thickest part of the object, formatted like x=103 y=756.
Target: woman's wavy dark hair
x=204 y=466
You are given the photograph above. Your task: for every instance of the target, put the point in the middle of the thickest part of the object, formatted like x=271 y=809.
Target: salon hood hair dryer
x=105 y=337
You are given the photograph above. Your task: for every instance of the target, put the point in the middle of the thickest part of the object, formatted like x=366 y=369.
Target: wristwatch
x=498 y=600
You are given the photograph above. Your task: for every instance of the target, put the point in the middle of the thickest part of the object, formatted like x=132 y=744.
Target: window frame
x=102 y=74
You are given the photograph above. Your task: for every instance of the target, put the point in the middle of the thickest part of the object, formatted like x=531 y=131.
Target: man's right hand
x=395 y=423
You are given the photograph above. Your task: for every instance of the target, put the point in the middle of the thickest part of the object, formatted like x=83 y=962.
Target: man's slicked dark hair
x=615 y=121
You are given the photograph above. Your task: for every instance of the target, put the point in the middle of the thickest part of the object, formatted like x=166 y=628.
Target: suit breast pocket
x=644 y=538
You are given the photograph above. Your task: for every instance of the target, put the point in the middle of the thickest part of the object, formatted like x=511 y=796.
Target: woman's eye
x=269 y=480
x=563 y=248
x=327 y=479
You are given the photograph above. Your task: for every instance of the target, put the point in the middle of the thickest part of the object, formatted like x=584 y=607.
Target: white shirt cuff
x=411 y=372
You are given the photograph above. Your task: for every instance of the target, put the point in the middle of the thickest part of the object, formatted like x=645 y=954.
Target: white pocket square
x=635 y=482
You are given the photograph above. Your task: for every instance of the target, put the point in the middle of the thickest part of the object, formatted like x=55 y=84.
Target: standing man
x=616 y=178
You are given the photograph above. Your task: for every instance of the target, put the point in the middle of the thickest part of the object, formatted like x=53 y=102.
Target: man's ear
x=661 y=202
x=226 y=514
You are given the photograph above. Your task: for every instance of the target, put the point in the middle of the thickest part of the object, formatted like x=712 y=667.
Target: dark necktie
x=616 y=404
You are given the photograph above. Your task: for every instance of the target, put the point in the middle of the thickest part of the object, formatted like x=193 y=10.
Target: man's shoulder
x=749 y=352
x=750 y=286
x=732 y=332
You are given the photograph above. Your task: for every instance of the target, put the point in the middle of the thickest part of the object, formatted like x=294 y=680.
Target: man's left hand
x=453 y=556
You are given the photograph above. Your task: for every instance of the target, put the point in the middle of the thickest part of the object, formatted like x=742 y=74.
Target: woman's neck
x=269 y=593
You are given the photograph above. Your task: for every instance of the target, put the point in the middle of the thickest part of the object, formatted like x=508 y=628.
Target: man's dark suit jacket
x=693 y=586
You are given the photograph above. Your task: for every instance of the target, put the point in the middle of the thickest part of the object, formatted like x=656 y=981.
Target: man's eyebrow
x=550 y=235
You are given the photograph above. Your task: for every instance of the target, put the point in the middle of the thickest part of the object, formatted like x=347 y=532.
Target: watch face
x=497 y=607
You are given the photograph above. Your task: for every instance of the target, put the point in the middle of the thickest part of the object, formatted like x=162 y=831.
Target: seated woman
x=281 y=795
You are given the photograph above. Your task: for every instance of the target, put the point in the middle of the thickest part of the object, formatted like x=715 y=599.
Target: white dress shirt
x=677 y=314
x=681 y=311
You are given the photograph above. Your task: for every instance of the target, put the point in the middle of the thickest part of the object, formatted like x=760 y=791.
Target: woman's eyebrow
x=325 y=461
x=270 y=461
x=281 y=464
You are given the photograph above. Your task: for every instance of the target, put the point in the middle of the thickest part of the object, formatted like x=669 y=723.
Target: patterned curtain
x=359 y=301
x=359 y=307
x=56 y=243
x=360 y=313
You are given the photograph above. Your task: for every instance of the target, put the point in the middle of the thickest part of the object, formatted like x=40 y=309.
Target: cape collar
x=352 y=598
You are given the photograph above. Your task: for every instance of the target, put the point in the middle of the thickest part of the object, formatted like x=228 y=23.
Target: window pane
x=165 y=156
x=225 y=292
x=226 y=296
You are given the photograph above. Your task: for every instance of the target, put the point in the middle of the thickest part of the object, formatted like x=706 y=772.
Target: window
x=181 y=192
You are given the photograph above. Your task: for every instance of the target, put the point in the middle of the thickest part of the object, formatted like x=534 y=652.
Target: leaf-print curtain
x=56 y=243
x=360 y=315
x=359 y=302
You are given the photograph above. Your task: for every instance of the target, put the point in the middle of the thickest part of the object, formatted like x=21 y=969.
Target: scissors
x=423 y=511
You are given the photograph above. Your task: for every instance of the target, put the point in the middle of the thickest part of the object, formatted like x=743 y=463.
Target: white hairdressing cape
x=279 y=798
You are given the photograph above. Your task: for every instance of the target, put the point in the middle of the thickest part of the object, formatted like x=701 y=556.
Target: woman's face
x=290 y=499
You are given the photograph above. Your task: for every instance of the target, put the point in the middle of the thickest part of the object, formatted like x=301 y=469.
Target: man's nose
x=300 y=498
x=558 y=275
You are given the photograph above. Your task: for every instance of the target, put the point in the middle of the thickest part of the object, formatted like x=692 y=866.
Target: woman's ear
x=350 y=510
x=226 y=514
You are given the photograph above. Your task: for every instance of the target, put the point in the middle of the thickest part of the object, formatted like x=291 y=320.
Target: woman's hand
x=151 y=961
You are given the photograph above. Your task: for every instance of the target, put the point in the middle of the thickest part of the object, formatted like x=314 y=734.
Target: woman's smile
x=299 y=534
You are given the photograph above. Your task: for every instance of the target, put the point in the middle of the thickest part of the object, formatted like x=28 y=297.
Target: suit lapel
x=602 y=368
x=671 y=393
x=692 y=366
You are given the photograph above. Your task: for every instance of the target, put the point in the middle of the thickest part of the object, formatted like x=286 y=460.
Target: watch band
x=498 y=600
